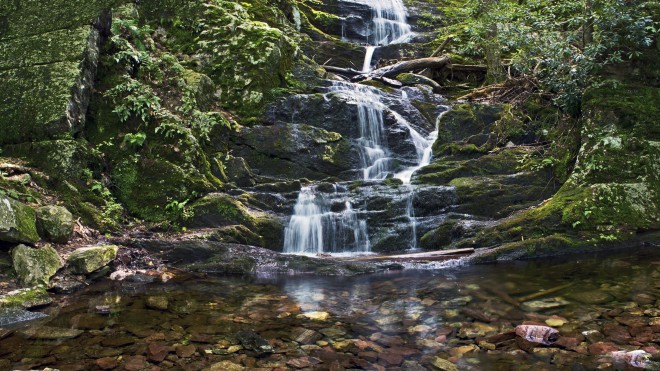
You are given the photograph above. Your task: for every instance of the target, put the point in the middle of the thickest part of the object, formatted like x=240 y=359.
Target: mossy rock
x=236 y=234
x=35 y=266
x=17 y=222
x=464 y=121
x=147 y=186
x=86 y=260
x=61 y=159
x=55 y=223
x=31 y=297
x=439 y=237
x=217 y=210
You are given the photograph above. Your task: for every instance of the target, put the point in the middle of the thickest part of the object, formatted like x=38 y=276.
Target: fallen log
x=417 y=257
x=412 y=65
x=343 y=71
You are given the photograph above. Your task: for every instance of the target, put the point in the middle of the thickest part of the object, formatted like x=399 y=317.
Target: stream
x=411 y=319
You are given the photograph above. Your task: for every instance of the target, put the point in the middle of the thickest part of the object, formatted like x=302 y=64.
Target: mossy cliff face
x=610 y=197
x=48 y=58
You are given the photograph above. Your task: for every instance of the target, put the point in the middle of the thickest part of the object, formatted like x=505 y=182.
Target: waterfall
x=314 y=228
x=374 y=156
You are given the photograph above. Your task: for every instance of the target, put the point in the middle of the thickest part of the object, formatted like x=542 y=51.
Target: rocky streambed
x=605 y=313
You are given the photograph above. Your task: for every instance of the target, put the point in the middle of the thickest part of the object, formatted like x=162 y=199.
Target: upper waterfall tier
x=387 y=25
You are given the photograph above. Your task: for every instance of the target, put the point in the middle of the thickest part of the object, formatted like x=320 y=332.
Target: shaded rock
x=35 y=266
x=135 y=363
x=88 y=259
x=185 y=351
x=17 y=222
x=158 y=351
x=51 y=333
x=65 y=285
x=106 y=363
x=54 y=223
x=88 y=321
x=26 y=298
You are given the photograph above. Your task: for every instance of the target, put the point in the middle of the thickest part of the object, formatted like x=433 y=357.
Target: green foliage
x=562 y=43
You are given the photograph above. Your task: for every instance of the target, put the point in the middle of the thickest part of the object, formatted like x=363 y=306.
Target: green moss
x=147 y=186
x=26 y=298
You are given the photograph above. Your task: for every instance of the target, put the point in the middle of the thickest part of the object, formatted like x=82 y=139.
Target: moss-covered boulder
x=86 y=260
x=217 y=210
x=465 y=123
x=35 y=266
x=26 y=298
x=147 y=186
x=17 y=222
x=55 y=223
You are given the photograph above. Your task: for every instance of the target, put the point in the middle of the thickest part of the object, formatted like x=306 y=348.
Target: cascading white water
x=374 y=155
x=368 y=56
x=315 y=229
x=388 y=22
x=423 y=147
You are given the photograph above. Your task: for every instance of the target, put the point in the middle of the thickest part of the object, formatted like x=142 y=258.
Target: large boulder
x=89 y=259
x=35 y=266
x=17 y=222
x=55 y=223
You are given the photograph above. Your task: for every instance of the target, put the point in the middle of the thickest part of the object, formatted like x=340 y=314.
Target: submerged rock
x=54 y=223
x=52 y=333
x=35 y=266
x=252 y=341
x=88 y=259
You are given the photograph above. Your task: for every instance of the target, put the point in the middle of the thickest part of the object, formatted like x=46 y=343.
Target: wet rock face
x=55 y=223
x=35 y=266
x=296 y=151
x=17 y=222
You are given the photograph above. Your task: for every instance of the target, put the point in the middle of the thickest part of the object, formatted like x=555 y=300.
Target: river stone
x=88 y=259
x=35 y=266
x=17 y=222
x=443 y=364
x=592 y=297
x=52 y=333
x=543 y=304
x=54 y=223
x=27 y=298
x=226 y=366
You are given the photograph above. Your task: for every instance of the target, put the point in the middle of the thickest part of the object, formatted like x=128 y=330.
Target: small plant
x=135 y=140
